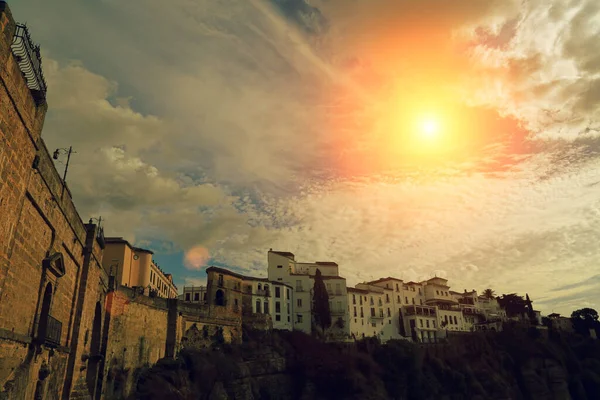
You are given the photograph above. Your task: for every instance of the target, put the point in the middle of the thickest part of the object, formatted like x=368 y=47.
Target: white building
x=282 y=267
x=193 y=294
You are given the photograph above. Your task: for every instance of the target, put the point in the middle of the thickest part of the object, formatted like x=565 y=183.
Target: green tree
x=488 y=293
x=320 y=303
x=513 y=304
x=584 y=319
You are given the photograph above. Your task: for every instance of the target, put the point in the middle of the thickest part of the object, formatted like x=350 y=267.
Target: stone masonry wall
x=37 y=223
x=142 y=330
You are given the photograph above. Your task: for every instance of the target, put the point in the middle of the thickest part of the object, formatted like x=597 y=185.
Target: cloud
x=238 y=128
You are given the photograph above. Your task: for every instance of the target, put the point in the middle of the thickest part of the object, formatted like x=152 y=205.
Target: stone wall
x=51 y=279
x=140 y=330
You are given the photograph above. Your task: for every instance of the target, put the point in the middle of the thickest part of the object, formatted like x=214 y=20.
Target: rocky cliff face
x=507 y=365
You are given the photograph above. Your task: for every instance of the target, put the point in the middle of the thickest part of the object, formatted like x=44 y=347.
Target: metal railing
x=53 y=331
x=27 y=55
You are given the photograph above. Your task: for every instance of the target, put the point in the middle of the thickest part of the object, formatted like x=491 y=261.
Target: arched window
x=220 y=298
x=259 y=286
x=45 y=313
x=258 y=306
x=92 y=370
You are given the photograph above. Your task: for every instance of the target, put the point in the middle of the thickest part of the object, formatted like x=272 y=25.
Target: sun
x=429 y=128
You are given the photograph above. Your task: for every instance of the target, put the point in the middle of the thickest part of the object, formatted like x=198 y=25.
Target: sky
x=398 y=138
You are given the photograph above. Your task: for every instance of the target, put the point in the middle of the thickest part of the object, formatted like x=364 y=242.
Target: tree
x=488 y=293
x=320 y=303
x=585 y=319
x=513 y=305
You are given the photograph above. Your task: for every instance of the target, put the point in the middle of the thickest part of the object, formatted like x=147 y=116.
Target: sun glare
x=429 y=128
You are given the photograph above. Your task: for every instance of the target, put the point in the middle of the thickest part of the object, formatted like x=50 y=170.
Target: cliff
x=514 y=364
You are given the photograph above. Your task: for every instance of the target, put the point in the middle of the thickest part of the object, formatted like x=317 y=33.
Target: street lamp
x=55 y=156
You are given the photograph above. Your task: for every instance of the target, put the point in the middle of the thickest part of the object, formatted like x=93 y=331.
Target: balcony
x=377 y=316
x=263 y=292
x=53 y=332
x=420 y=310
x=27 y=55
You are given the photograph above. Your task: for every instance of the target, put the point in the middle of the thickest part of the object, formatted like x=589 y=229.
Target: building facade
x=283 y=267
x=193 y=294
x=134 y=267
x=52 y=284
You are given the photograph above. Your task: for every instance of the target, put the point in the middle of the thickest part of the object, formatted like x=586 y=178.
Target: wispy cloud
x=236 y=128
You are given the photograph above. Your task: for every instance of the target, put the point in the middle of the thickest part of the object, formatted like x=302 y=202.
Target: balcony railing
x=263 y=292
x=27 y=55
x=420 y=310
x=377 y=316
x=53 y=332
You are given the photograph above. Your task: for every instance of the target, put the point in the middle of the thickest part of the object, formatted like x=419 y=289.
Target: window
x=196 y=296
x=258 y=306
x=259 y=286
x=433 y=323
x=399 y=301
x=413 y=300
x=397 y=288
x=455 y=321
x=235 y=302
x=373 y=324
x=187 y=297
x=421 y=322
x=381 y=312
x=437 y=292
x=299 y=318
x=421 y=301
x=372 y=300
x=446 y=318
x=220 y=282
x=362 y=315
x=266 y=307
x=372 y=311
x=380 y=302
x=299 y=286
x=277 y=292
x=277 y=307
x=406 y=298
x=412 y=288
x=360 y=300
x=387 y=298
x=277 y=317
x=299 y=302
x=389 y=321
x=389 y=312
x=280 y=266
x=427 y=323
x=353 y=299
x=355 y=311
x=288 y=318
x=287 y=293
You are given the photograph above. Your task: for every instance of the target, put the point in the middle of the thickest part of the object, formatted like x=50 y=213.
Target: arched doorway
x=44 y=313
x=220 y=298
x=94 y=360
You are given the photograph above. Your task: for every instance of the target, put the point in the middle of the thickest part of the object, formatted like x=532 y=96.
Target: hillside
x=514 y=364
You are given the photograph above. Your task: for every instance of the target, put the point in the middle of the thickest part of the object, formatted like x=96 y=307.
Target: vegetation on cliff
x=513 y=364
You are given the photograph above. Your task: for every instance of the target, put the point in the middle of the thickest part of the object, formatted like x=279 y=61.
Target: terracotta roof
x=326 y=263
x=245 y=277
x=412 y=283
x=389 y=278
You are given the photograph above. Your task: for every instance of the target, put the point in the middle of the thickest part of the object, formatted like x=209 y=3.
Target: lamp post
x=55 y=156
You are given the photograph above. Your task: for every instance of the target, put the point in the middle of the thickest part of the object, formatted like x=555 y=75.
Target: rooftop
x=283 y=253
x=389 y=278
x=243 y=277
x=123 y=241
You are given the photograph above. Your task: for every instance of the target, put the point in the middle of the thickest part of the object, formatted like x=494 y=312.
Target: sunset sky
x=398 y=138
